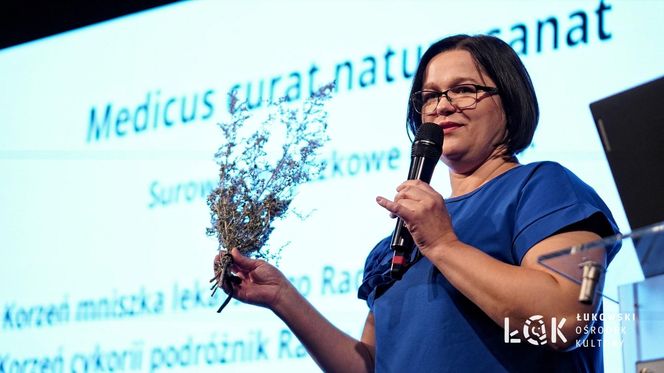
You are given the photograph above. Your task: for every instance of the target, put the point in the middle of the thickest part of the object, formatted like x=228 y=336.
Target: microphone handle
x=421 y=168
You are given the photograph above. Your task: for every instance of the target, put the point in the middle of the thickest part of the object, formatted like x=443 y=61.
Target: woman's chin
x=461 y=163
x=450 y=157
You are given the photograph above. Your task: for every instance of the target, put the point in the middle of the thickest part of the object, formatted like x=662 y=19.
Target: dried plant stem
x=224 y=276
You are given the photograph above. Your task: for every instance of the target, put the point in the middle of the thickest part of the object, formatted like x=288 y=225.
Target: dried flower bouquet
x=256 y=185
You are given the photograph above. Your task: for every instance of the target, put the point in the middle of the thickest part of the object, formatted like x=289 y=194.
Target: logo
x=535 y=331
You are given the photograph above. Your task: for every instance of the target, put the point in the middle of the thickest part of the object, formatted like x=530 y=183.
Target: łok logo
x=535 y=331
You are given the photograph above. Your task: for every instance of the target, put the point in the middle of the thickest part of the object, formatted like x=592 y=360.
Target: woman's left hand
x=423 y=211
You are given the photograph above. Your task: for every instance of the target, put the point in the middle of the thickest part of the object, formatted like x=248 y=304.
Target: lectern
x=641 y=303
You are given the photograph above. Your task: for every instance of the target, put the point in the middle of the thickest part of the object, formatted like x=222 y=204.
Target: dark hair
x=498 y=60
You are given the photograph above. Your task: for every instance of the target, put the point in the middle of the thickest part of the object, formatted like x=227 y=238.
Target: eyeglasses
x=462 y=96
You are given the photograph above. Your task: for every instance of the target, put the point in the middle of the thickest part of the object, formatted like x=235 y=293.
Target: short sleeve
x=376 y=271
x=550 y=200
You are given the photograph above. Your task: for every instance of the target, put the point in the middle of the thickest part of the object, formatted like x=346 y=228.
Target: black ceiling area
x=24 y=21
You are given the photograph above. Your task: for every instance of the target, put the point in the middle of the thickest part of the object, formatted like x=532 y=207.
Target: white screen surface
x=109 y=133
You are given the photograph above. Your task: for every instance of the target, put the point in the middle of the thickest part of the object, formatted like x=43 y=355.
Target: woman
x=479 y=247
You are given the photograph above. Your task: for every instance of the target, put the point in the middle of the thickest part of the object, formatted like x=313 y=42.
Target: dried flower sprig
x=256 y=186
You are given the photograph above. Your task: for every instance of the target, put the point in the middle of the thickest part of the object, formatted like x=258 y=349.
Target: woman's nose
x=445 y=107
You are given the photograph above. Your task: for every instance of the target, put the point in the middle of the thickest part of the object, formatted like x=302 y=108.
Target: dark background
x=24 y=21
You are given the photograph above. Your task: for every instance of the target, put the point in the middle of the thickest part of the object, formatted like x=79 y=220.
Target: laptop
x=631 y=127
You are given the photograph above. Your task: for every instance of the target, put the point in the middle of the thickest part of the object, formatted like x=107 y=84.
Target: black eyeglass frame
x=418 y=109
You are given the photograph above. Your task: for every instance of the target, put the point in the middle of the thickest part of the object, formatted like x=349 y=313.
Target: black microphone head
x=428 y=141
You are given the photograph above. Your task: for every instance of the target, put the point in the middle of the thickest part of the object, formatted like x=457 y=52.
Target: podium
x=641 y=303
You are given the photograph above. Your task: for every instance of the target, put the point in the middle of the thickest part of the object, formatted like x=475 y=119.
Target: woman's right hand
x=260 y=283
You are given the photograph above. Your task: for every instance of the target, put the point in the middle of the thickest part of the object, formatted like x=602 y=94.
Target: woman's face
x=471 y=134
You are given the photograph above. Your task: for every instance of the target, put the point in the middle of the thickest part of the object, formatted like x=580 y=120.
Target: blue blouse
x=423 y=324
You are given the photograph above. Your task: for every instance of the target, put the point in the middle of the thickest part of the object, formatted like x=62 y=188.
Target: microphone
x=425 y=154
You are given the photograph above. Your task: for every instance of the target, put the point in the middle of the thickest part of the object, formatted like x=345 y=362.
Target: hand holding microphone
x=426 y=151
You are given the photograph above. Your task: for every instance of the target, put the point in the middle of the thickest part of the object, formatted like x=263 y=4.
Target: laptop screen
x=631 y=127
